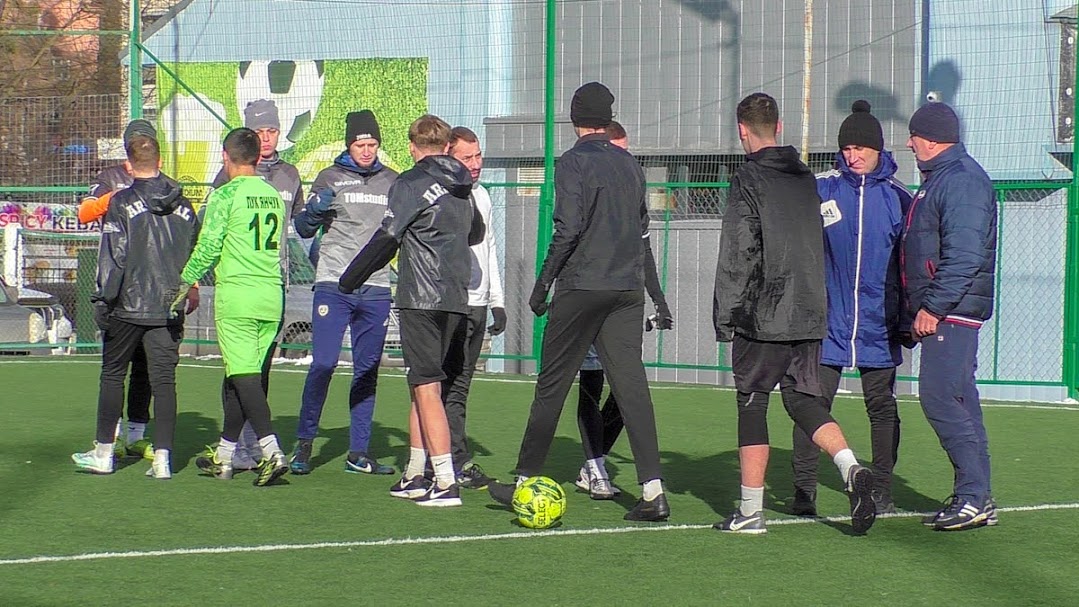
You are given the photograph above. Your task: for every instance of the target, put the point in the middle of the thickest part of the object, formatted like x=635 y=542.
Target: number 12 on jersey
x=270 y=221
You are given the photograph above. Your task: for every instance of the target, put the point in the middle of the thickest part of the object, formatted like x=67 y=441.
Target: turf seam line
x=457 y=539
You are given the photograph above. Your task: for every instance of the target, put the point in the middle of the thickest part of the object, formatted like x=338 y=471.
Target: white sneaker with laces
x=97 y=460
x=160 y=469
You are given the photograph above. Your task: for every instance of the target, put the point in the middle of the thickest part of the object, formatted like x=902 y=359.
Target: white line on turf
x=705 y=387
x=457 y=539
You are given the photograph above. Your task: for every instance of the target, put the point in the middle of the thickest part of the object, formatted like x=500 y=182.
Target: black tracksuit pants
x=878 y=385
x=613 y=320
x=162 y=347
x=455 y=390
x=599 y=429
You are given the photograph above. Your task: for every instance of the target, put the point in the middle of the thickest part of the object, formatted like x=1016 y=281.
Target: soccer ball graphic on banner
x=294 y=86
x=539 y=502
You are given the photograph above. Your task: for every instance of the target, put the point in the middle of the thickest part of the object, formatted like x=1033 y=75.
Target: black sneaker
x=805 y=503
x=961 y=515
x=651 y=511
x=438 y=497
x=863 y=512
x=473 y=477
x=883 y=503
x=410 y=488
x=931 y=520
x=502 y=492
x=300 y=462
x=740 y=523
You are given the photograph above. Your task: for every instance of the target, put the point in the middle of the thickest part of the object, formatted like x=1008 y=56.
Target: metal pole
x=1071 y=267
x=135 y=61
x=545 y=221
x=807 y=67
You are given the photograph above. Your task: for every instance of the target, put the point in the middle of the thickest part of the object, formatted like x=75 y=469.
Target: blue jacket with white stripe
x=863 y=222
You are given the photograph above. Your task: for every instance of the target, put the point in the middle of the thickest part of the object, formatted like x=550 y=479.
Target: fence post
x=1071 y=264
x=545 y=222
x=134 y=50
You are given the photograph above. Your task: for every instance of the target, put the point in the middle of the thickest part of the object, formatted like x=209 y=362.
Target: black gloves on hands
x=498 y=327
x=662 y=319
x=538 y=300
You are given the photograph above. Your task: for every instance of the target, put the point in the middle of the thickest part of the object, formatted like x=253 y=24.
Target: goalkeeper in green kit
x=242 y=236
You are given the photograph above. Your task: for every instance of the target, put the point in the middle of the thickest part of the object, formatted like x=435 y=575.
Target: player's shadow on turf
x=193 y=432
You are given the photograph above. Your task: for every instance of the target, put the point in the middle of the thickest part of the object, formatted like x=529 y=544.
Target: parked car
x=28 y=316
x=199 y=328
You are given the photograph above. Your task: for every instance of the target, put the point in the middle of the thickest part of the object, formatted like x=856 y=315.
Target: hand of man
x=181 y=297
x=192 y=300
x=664 y=320
x=498 y=327
x=101 y=316
x=538 y=299
x=925 y=324
x=322 y=202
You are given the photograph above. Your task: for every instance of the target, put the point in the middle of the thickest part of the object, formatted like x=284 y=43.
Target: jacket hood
x=948 y=156
x=345 y=161
x=161 y=194
x=780 y=158
x=886 y=167
x=448 y=172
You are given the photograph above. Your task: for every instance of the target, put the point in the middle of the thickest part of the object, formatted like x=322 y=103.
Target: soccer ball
x=539 y=502
x=294 y=86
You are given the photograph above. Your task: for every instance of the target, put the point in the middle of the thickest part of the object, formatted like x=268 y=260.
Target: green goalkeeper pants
x=245 y=343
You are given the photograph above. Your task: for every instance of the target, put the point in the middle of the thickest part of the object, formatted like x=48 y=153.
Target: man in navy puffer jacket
x=863 y=209
x=947 y=258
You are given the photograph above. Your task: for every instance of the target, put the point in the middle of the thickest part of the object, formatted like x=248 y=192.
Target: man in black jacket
x=147 y=236
x=430 y=219
x=597 y=255
x=770 y=301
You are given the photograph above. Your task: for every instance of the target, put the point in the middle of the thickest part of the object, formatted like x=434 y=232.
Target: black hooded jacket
x=430 y=218
x=770 y=277
x=147 y=236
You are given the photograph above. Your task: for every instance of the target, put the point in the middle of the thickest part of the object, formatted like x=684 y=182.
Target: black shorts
x=432 y=344
x=760 y=365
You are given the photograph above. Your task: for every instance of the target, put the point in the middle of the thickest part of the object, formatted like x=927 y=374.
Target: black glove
x=664 y=318
x=498 y=327
x=538 y=300
x=101 y=316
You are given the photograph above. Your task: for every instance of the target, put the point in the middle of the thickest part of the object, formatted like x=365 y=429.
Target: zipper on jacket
x=857 y=274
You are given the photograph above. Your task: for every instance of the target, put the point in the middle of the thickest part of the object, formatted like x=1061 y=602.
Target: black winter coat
x=770 y=276
x=148 y=234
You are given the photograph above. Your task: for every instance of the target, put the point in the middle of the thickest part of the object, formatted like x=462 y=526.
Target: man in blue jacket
x=862 y=206
x=947 y=258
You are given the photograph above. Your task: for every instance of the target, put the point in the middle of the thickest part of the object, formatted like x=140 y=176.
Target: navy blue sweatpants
x=365 y=312
x=950 y=401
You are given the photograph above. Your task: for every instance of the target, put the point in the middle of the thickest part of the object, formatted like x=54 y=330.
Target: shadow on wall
x=884 y=103
x=942 y=83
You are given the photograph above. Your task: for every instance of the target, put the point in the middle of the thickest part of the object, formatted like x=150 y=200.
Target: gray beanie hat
x=261 y=114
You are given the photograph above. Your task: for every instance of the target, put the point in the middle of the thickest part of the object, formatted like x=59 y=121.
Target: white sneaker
x=584 y=480
x=93 y=460
x=160 y=469
x=243 y=460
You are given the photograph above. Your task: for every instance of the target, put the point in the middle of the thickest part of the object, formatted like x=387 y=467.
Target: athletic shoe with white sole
x=472 y=476
x=160 y=468
x=208 y=463
x=141 y=448
x=990 y=510
x=242 y=459
x=410 y=488
x=961 y=515
x=300 y=463
x=361 y=464
x=270 y=469
x=740 y=523
x=584 y=483
x=91 y=461
x=863 y=511
x=440 y=497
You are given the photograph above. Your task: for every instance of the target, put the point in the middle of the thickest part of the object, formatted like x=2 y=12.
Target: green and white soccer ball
x=539 y=502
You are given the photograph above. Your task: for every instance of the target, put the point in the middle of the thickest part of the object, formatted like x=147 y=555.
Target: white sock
x=103 y=450
x=443 y=465
x=119 y=430
x=136 y=431
x=269 y=445
x=596 y=468
x=752 y=500
x=845 y=460
x=161 y=455
x=652 y=489
x=417 y=461
x=225 y=451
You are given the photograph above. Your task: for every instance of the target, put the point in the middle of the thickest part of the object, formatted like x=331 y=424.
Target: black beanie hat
x=361 y=125
x=139 y=127
x=591 y=106
x=861 y=128
x=935 y=121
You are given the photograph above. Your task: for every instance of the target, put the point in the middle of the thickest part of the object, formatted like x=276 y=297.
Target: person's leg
x=574 y=319
x=806 y=455
x=455 y=392
x=368 y=324
x=138 y=397
x=162 y=347
x=612 y=423
x=118 y=348
x=589 y=419
x=329 y=318
x=878 y=386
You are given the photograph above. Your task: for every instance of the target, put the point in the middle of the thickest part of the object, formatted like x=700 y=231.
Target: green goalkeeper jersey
x=242 y=235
